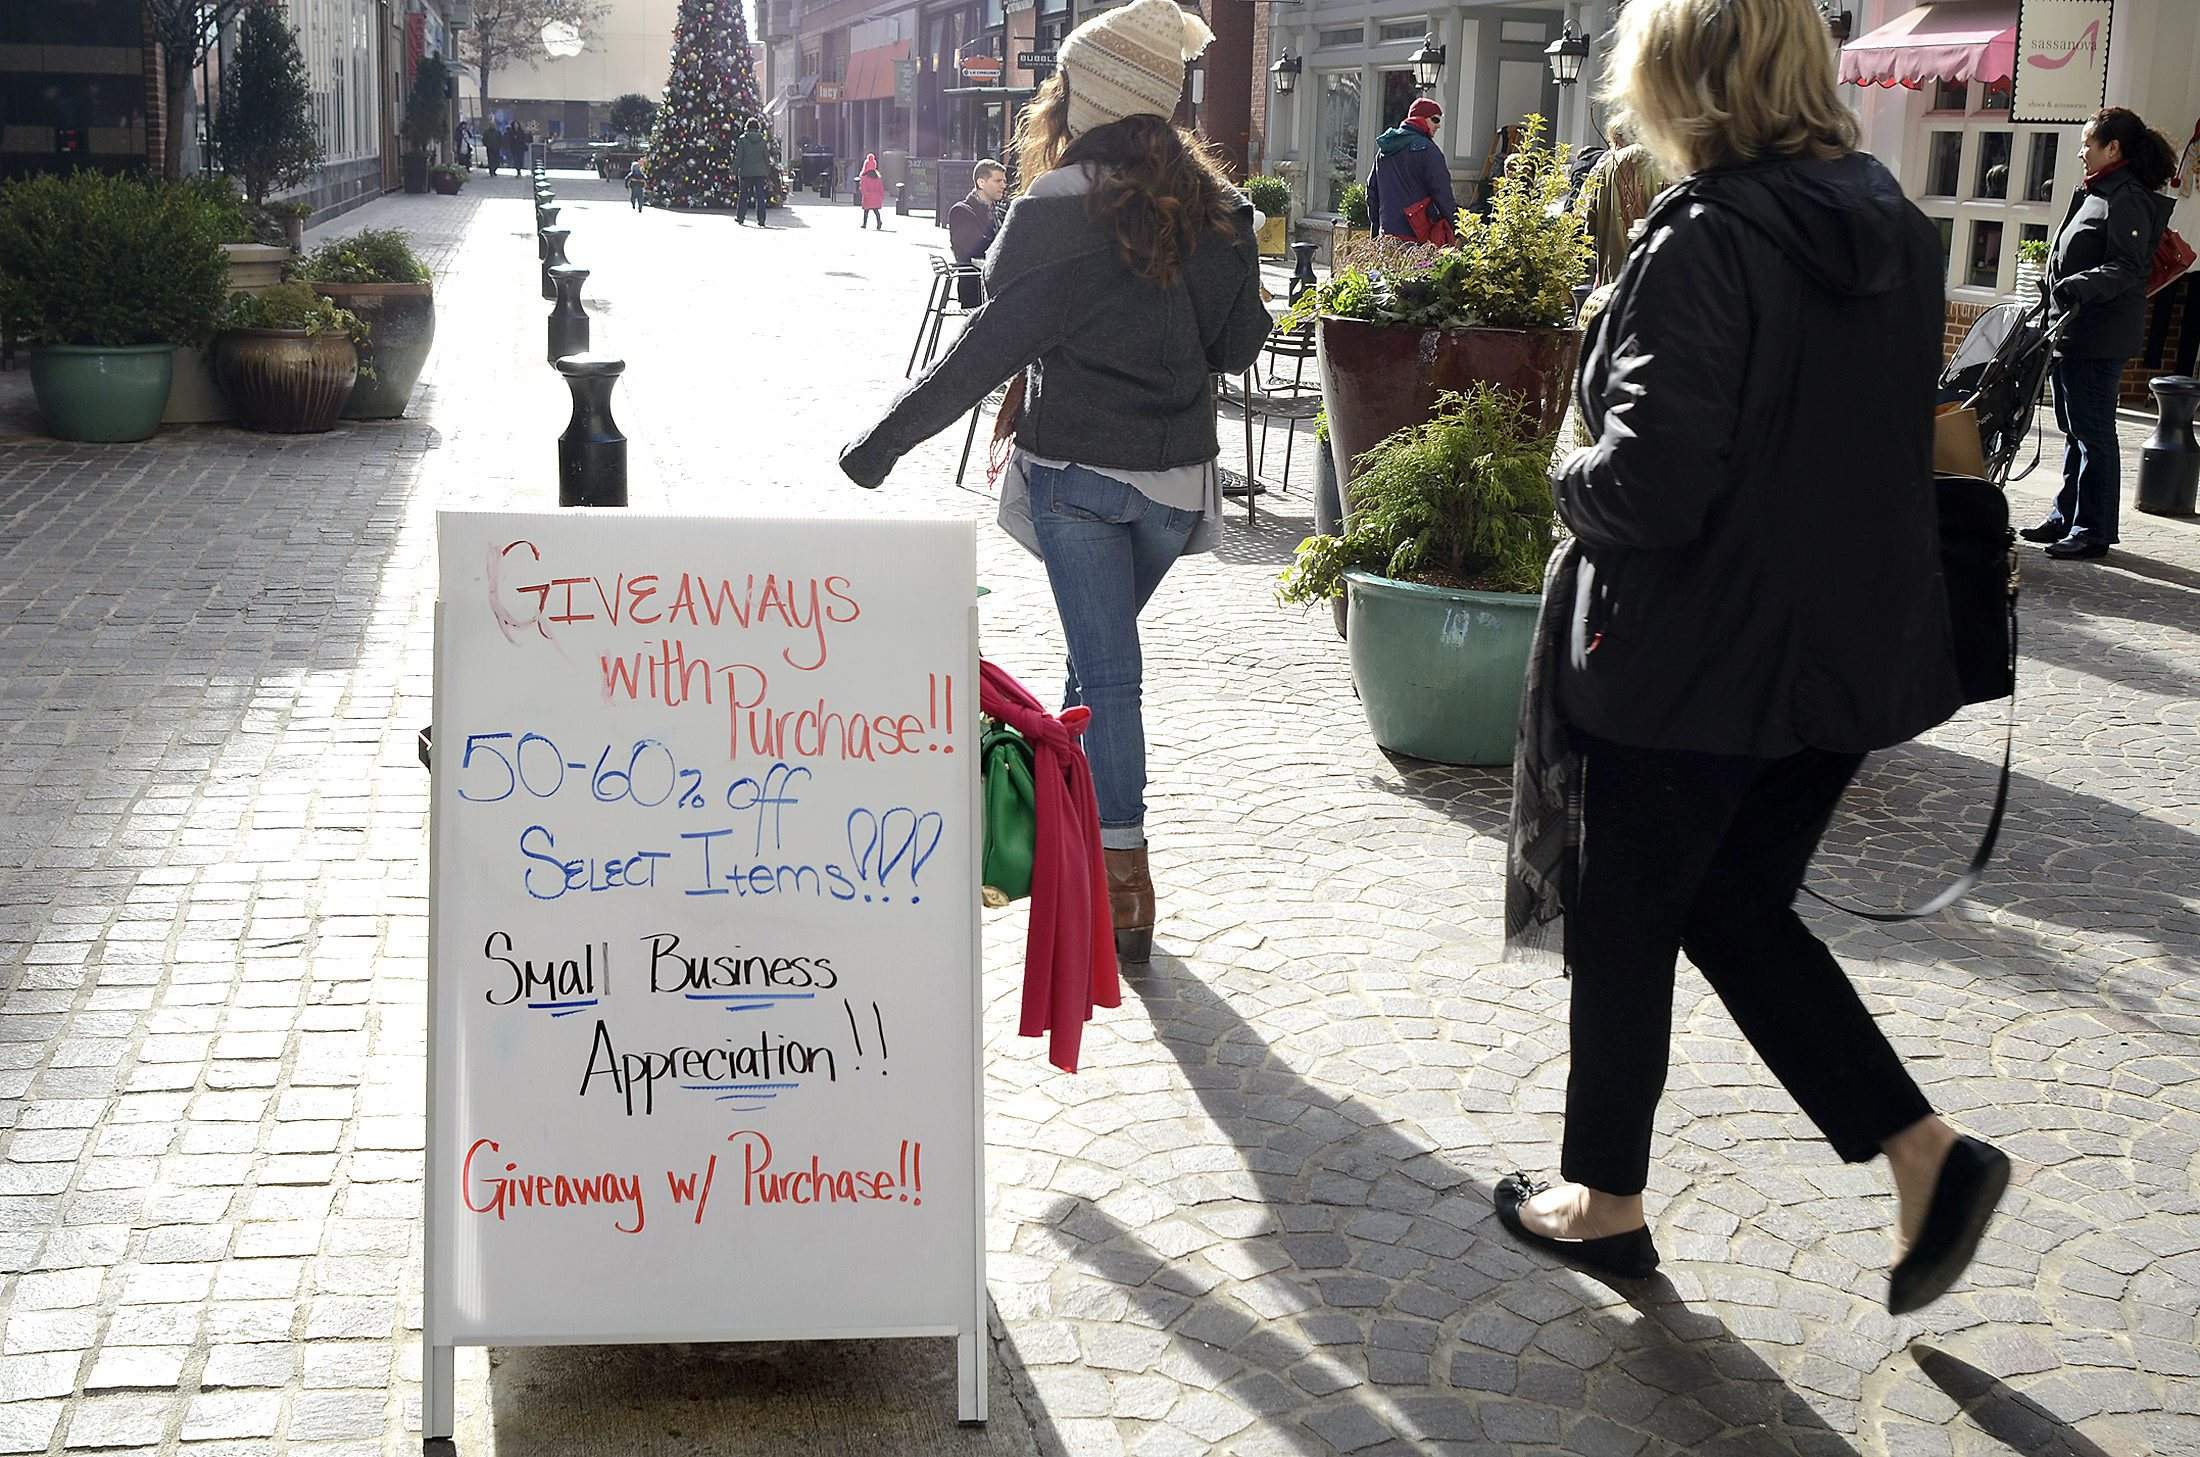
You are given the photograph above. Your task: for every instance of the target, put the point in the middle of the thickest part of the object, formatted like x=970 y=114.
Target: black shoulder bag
x=1978 y=563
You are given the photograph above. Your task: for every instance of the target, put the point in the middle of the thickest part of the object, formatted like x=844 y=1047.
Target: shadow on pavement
x=1368 y=1246
x=827 y=1398
x=2017 y=1422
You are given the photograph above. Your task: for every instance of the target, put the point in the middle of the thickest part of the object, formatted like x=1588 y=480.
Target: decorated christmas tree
x=708 y=100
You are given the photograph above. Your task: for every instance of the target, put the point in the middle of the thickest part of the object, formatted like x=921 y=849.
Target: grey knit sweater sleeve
x=1025 y=314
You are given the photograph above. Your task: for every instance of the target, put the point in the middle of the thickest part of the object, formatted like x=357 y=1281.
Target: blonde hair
x=1709 y=83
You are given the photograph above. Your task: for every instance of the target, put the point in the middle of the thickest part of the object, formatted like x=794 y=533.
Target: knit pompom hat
x=1129 y=62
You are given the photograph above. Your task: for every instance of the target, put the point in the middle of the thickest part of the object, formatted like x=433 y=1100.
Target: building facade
x=79 y=86
x=628 y=50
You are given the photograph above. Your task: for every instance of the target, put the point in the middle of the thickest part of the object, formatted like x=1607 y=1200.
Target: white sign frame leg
x=438 y=1396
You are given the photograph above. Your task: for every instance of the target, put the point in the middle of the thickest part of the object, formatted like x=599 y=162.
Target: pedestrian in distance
x=752 y=172
x=637 y=182
x=2096 y=280
x=871 y=193
x=1754 y=603
x=973 y=224
x=492 y=142
x=1409 y=190
x=1124 y=280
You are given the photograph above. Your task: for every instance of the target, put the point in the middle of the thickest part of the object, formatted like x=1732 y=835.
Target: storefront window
x=1946 y=227
x=1337 y=142
x=1943 y=164
x=2039 y=176
x=1984 y=269
x=1993 y=164
x=1951 y=96
x=1998 y=96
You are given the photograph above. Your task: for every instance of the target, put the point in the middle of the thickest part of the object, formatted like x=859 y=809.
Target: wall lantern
x=1428 y=63
x=1286 y=72
x=1566 y=55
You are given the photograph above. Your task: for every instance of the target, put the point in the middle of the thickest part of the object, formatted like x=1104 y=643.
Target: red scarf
x=2093 y=177
x=1069 y=955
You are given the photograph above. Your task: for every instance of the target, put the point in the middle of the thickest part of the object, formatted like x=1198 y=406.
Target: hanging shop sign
x=2062 y=60
x=703 y=987
x=905 y=85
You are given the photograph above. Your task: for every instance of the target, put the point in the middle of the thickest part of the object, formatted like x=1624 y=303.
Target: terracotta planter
x=285 y=381
x=1380 y=378
x=400 y=320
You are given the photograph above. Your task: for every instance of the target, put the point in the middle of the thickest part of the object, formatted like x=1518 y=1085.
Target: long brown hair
x=1156 y=185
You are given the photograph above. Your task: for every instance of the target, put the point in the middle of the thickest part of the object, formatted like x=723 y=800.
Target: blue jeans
x=1106 y=547
x=756 y=192
x=2085 y=409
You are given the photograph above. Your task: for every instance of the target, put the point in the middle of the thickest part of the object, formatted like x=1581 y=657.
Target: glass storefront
x=1337 y=137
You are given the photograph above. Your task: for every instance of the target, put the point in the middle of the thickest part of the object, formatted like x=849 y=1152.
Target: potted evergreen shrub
x=106 y=276
x=1440 y=561
x=375 y=274
x=1272 y=195
x=264 y=133
x=1353 y=221
x=422 y=126
x=287 y=359
x=1400 y=325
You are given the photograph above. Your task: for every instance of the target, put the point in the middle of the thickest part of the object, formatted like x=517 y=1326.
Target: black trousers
x=1704 y=853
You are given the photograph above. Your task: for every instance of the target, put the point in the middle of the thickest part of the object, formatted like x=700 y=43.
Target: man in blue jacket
x=1410 y=169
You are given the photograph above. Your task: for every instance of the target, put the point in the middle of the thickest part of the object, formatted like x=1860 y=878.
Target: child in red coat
x=871 y=192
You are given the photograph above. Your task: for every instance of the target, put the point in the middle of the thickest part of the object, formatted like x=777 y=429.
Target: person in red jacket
x=871 y=192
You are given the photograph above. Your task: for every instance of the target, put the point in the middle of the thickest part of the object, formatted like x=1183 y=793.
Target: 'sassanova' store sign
x=2062 y=60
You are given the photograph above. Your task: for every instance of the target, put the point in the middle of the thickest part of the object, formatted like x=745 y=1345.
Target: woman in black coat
x=1757 y=604
x=2097 y=273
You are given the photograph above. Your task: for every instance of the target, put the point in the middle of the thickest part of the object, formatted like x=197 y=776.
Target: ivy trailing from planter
x=1462 y=501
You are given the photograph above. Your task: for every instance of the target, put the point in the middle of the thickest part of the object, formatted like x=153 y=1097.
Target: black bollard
x=545 y=217
x=568 y=316
x=2169 y=464
x=901 y=199
x=553 y=255
x=1302 y=269
x=591 y=452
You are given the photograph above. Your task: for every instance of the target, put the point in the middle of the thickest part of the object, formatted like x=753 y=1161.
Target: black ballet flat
x=1970 y=1185
x=1628 y=1256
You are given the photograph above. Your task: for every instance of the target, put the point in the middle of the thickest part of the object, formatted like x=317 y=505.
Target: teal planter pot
x=102 y=395
x=1439 y=670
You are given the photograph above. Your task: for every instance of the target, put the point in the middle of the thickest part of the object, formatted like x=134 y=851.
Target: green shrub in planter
x=293 y=306
x=371 y=255
x=1462 y=501
x=1353 y=205
x=106 y=275
x=1272 y=195
x=95 y=259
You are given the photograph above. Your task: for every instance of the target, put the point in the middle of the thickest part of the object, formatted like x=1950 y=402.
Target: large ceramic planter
x=445 y=184
x=1377 y=379
x=1329 y=512
x=415 y=171
x=285 y=381
x=1439 y=670
x=400 y=320
x=102 y=395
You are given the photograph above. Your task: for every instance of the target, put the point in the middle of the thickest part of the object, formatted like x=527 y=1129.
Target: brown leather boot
x=1130 y=904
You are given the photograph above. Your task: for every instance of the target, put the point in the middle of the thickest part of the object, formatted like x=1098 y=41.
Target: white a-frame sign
x=703 y=981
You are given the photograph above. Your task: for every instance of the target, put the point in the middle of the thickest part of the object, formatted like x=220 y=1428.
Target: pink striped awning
x=1962 y=40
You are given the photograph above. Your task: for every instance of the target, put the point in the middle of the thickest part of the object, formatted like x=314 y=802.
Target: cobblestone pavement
x=1258 y=1222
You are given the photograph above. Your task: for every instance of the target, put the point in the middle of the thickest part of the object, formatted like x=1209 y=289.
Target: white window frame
x=1967 y=210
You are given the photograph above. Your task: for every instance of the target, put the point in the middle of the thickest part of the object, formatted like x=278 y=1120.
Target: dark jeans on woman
x=1106 y=547
x=2085 y=410
x=1704 y=853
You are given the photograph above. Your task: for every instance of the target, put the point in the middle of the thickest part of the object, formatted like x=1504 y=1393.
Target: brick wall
x=156 y=100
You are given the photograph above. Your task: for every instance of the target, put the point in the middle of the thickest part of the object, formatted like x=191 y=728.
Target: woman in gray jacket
x=1123 y=281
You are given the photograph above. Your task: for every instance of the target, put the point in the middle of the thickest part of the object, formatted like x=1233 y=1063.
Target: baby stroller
x=2000 y=373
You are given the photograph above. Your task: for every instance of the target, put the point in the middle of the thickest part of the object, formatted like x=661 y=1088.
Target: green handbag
x=1011 y=809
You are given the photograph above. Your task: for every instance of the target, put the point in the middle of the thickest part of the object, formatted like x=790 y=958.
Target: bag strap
x=1973 y=873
